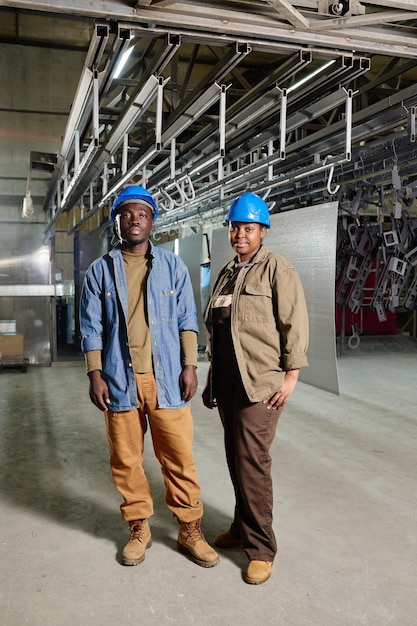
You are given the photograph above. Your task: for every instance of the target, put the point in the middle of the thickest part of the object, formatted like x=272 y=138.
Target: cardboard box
x=12 y=346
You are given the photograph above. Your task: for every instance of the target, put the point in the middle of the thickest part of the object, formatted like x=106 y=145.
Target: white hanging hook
x=336 y=188
x=191 y=191
x=180 y=190
x=168 y=199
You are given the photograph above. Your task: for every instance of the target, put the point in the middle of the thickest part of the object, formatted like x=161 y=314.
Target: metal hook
x=354 y=339
x=168 y=198
x=180 y=190
x=191 y=189
x=336 y=188
x=395 y=159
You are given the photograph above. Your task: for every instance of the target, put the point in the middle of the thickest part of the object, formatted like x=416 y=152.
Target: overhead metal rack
x=146 y=125
x=218 y=96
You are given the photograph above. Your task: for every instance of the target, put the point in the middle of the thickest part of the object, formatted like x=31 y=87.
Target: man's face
x=136 y=222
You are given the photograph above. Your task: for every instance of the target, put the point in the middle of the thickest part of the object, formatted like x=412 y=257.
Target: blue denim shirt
x=103 y=323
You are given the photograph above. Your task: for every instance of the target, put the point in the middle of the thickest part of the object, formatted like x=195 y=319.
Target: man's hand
x=99 y=392
x=188 y=382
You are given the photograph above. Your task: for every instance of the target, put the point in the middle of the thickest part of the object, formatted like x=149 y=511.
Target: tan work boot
x=258 y=572
x=140 y=539
x=192 y=543
x=227 y=540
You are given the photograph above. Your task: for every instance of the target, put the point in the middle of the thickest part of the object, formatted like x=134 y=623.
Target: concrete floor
x=345 y=508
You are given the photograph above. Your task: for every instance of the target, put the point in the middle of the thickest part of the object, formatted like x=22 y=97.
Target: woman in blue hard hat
x=257 y=336
x=139 y=333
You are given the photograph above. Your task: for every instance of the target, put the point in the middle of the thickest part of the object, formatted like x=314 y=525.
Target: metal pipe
x=125 y=153
x=348 y=141
x=222 y=119
x=283 y=123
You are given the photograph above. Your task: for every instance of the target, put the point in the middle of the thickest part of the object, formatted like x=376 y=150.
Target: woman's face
x=246 y=238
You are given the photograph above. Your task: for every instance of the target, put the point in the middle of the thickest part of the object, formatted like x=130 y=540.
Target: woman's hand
x=208 y=401
x=281 y=397
x=206 y=397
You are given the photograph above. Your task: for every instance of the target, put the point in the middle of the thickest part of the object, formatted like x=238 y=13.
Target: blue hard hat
x=134 y=193
x=249 y=207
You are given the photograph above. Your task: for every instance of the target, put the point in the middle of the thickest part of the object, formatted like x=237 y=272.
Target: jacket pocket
x=257 y=303
x=167 y=304
x=111 y=305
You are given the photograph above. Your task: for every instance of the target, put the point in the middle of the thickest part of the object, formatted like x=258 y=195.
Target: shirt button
x=130 y=365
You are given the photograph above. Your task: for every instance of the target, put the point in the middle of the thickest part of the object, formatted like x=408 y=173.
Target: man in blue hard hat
x=139 y=335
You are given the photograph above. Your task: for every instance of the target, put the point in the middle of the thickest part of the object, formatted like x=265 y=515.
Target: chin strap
x=117 y=227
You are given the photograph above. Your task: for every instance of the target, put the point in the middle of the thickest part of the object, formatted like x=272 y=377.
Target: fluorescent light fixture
x=122 y=62
x=302 y=81
x=28 y=209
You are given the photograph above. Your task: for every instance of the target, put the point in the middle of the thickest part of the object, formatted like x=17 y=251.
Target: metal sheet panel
x=307 y=238
x=24 y=259
x=168 y=245
x=87 y=247
x=190 y=250
x=24 y=287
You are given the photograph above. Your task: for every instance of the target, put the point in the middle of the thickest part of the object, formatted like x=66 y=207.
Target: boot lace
x=136 y=530
x=194 y=531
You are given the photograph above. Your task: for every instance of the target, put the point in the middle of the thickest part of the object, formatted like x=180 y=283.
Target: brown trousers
x=249 y=429
x=172 y=435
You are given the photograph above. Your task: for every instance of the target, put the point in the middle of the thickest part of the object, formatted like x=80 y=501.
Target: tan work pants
x=172 y=436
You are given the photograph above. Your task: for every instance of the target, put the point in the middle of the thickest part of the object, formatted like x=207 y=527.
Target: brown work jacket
x=269 y=322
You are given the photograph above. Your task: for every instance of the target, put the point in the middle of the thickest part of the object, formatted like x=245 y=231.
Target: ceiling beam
x=372 y=19
x=291 y=14
x=407 y=5
x=147 y=3
x=233 y=21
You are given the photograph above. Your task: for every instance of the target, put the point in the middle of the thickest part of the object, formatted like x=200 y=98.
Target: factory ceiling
x=300 y=101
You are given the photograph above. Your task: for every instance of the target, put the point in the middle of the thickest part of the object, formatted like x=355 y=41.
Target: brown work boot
x=140 y=539
x=258 y=572
x=227 y=540
x=192 y=543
